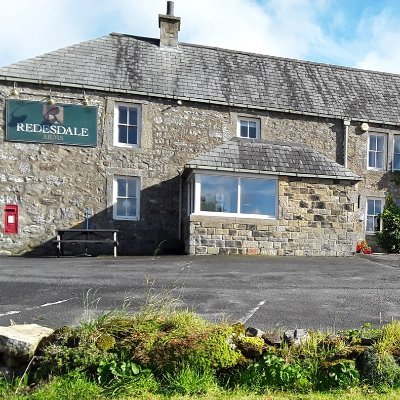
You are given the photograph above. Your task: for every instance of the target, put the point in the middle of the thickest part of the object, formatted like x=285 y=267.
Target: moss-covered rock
x=251 y=347
x=105 y=342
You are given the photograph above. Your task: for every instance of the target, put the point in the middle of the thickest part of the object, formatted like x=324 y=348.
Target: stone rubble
x=18 y=344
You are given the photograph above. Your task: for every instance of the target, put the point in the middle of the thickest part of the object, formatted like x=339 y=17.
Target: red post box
x=11 y=219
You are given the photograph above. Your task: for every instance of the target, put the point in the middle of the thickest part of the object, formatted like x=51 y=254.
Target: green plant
x=125 y=376
x=354 y=336
x=340 y=374
x=249 y=346
x=71 y=386
x=390 y=339
x=162 y=340
x=389 y=237
x=190 y=379
x=105 y=342
x=6 y=387
x=116 y=370
x=271 y=371
x=76 y=350
x=378 y=369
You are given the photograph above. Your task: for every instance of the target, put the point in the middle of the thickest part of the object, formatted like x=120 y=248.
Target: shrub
x=67 y=350
x=61 y=359
x=339 y=374
x=272 y=371
x=166 y=340
x=250 y=347
x=389 y=237
x=378 y=369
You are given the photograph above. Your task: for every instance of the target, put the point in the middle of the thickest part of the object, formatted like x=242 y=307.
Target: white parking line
x=252 y=312
x=10 y=313
x=50 y=304
x=36 y=307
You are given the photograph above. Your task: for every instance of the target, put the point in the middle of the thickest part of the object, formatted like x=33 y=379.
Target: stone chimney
x=169 y=27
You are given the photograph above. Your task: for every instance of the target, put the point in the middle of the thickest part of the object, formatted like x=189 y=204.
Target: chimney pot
x=170 y=8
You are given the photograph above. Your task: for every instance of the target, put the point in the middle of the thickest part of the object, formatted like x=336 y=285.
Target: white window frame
x=382 y=200
x=115 y=197
x=384 y=151
x=116 y=141
x=396 y=137
x=190 y=195
x=194 y=202
x=245 y=119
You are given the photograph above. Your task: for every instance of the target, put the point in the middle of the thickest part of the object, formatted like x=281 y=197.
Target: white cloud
x=379 y=44
x=289 y=28
x=29 y=28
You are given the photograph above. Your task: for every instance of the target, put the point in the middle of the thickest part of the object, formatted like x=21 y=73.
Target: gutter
x=195 y=167
x=103 y=89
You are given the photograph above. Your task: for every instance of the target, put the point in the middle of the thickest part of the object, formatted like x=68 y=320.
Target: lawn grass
x=80 y=389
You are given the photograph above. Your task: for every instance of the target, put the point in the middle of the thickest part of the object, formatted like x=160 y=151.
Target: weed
x=340 y=374
x=123 y=376
x=71 y=386
x=188 y=379
x=271 y=371
x=390 y=339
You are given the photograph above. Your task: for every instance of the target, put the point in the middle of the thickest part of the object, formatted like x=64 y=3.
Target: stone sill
x=232 y=220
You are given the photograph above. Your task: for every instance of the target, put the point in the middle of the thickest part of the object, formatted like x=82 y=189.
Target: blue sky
x=355 y=33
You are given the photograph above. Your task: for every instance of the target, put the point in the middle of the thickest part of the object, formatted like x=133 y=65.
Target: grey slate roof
x=271 y=158
x=130 y=64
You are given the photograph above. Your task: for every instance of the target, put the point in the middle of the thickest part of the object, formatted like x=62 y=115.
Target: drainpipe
x=346 y=123
x=180 y=171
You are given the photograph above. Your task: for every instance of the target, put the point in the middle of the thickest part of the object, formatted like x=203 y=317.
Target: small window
x=396 y=153
x=127 y=125
x=374 y=209
x=376 y=151
x=249 y=128
x=126 y=191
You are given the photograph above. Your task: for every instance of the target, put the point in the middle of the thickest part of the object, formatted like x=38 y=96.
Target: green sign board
x=40 y=122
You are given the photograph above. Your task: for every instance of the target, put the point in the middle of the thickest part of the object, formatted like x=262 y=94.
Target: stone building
x=192 y=148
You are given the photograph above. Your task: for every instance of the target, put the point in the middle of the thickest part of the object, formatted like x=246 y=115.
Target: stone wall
x=53 y=184
x=317 y=217
x=374 y=183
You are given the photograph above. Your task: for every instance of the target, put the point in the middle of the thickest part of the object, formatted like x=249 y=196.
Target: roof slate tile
x=293 y=159
x=129 y=63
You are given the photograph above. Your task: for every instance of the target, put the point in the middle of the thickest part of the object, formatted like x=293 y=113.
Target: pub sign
x=40 y=122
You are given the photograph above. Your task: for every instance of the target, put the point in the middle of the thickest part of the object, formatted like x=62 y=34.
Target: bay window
x=233 y=195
